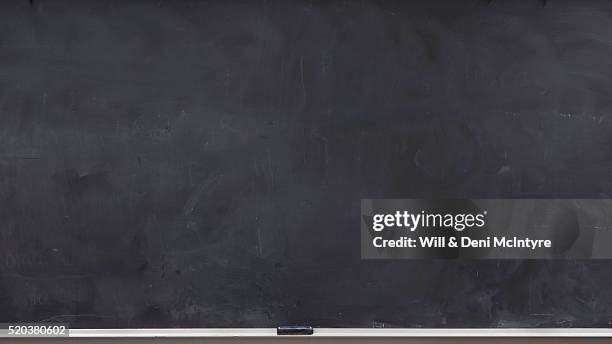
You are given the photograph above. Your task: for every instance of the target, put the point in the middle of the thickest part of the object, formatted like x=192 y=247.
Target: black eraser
x=294 y=330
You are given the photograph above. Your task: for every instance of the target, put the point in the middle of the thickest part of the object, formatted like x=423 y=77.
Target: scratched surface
x=200 y=163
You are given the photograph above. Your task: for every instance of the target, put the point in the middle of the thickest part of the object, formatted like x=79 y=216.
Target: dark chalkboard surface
x=201 y=163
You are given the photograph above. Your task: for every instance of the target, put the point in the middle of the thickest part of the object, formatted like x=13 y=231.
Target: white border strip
x=343 y=332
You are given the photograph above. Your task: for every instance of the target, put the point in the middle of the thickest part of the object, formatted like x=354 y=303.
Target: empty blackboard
x=201 y=163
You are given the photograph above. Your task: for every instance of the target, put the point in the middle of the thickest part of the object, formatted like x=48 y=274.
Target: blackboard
x=201 y=163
